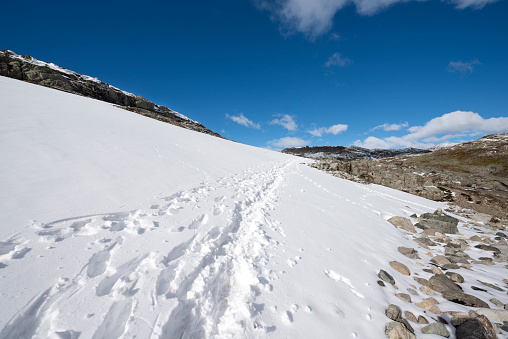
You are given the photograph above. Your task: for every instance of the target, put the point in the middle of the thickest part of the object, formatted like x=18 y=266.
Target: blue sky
x=375 y=73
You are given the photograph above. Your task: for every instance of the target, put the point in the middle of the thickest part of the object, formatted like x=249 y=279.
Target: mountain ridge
x=29 y=69
x=349 y=153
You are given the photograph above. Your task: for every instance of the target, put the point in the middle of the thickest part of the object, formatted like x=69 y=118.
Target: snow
x=117 y=225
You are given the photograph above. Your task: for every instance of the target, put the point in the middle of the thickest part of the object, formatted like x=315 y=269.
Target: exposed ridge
x=27 y=68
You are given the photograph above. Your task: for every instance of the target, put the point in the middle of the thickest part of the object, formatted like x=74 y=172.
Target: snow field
x=115 y=225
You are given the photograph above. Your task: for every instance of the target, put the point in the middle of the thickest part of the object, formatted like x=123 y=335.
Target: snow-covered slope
x=115 y=224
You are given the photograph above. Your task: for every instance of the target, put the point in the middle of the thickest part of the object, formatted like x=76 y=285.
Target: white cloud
x=285 y=120
x=315 y=17
x=391 y=127
x=243 y=120
x=449 y=126
x=458 y=122
x=335 y=129
x=390 y=142
x=462 y=67
x=475 y=4
x=337 y=60
x=287 y=142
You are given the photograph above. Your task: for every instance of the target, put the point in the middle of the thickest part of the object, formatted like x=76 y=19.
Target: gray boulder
x=464 y=299
x=443 y=222
x=441 y=283
x=475 y=328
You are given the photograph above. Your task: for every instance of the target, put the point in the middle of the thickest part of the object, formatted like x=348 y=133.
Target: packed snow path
x=203 y=262
x=115 y=225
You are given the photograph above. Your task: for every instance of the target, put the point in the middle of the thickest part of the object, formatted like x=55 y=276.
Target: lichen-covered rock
x=410 y=316
x=495 y=315
x=429 y=305
x=445 y=223
x=385 y=276
x=396 y=330
x=496 y=302
x=393 y=312
x=436 y=328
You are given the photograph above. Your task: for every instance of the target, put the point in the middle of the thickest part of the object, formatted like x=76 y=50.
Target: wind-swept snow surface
x=116 y=225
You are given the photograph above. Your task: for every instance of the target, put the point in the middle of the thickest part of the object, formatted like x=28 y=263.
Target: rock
x=404 y=296
x=478 y=289
x=409 y=252
x=488 y=248
x=410 y=316
x=501 y=234
x=412 y=291
x=450 y=267
x=432 y=232
x=380 y=283
x=393 y=312
x=436 y=328
x=429 y=306
x=475 y=238
x=455 y=277
x=445 y=223
x=459 y=319
x=396 y=330
x=421 y=281
x=475 y=328
x=403 y=223
x=427 y=290
x=464 y=299
x=440 y=260
x=495 y=315
x=385 y=276
x=496 y=302
x=400 y=267
x=436 y=270
x=457 y=260
x=422 y=320
x=424 y=242
x=491 y=286
x=441 y=283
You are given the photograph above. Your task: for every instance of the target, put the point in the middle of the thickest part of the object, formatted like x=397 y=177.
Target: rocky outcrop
x=473 y=175
x=349 y=153
x=50 y=75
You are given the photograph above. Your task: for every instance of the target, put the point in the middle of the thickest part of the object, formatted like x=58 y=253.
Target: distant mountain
x=349 y=153
x=27 y=68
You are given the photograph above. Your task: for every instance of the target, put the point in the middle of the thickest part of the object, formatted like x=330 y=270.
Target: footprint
x=6 y=247
x=218 y=209
x=338 y=278
x=114 y=323
x=220 y=199
x=291 y=262
x=287 y=317
x=21 y=253
x=201 y=220
x=98 y=262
